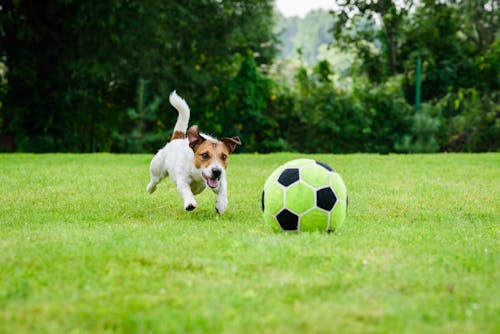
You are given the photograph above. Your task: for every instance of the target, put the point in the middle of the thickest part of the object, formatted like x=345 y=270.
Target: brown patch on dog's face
x=211 y=153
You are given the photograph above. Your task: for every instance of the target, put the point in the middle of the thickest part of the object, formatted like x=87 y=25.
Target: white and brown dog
x=193 y=160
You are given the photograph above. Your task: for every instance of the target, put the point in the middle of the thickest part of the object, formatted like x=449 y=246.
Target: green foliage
x=64 y=89
x=424 y=132
x=357 y=25
x=306 y=34
x=433 y=34
x=145 y=134
x=486 y=66
x=73 y=66
x=366 y=118
x=473 y=120
x=242 y=102
x=386 y=112
x=459 y=46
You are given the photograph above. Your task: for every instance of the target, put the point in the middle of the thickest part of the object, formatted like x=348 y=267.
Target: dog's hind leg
x=156 y=176
x=157 y=172
x=153 y=183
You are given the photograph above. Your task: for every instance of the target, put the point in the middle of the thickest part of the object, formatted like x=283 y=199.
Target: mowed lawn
x=84 y=249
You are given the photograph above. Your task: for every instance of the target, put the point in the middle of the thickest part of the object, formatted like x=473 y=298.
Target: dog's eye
x=223 y=157
x=205 y=155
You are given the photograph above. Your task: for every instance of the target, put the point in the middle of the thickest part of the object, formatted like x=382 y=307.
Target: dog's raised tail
x=182 y=107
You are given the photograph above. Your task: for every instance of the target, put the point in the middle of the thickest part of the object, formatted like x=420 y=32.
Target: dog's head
x=211 y=155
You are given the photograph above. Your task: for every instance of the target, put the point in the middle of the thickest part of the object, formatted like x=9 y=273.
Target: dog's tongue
x=212 y=183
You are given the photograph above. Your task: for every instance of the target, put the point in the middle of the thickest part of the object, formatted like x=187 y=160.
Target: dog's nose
x=216 y=172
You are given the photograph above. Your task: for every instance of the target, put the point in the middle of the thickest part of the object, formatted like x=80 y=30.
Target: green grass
x=84 y=248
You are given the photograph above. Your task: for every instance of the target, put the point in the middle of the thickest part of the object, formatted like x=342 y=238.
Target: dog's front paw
x=190 y=206
x=221 y=206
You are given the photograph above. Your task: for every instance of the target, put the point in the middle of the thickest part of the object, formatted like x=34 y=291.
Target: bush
x=366 y=118
x=472 y=121
x=144 y=133
x=242 y=108
x=423 y=136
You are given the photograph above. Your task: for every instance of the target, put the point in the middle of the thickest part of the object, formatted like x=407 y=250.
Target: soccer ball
x=304 y=195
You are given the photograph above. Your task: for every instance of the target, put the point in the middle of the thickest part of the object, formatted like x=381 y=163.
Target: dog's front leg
x=187 y=195
x=221 y=203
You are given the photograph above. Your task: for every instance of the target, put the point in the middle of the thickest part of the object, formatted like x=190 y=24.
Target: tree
x=457 y=42
x=306 y=34
x=368 y=23
x=73 y=66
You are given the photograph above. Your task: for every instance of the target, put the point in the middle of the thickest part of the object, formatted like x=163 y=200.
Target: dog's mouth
x=212 y=182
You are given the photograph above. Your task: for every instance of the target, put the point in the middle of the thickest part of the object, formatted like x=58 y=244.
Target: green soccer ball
x=304 y=195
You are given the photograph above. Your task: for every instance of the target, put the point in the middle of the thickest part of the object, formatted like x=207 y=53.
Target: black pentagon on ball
x=289 y=176
x=288 y=220
x=325 y=198
x=325 y=166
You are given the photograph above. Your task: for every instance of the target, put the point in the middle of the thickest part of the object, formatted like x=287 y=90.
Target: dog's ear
x=194 y=137
x=231 y=143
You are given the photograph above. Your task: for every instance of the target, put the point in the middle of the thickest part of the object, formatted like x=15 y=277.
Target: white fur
x=184 y=113
x=176 y=159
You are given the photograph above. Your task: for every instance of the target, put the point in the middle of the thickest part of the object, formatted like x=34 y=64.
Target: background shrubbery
x=95 y=76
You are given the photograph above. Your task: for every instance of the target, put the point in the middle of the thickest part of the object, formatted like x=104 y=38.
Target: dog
x=193 y=160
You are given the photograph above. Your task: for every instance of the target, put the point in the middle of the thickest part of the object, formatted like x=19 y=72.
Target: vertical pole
x=417 y=84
